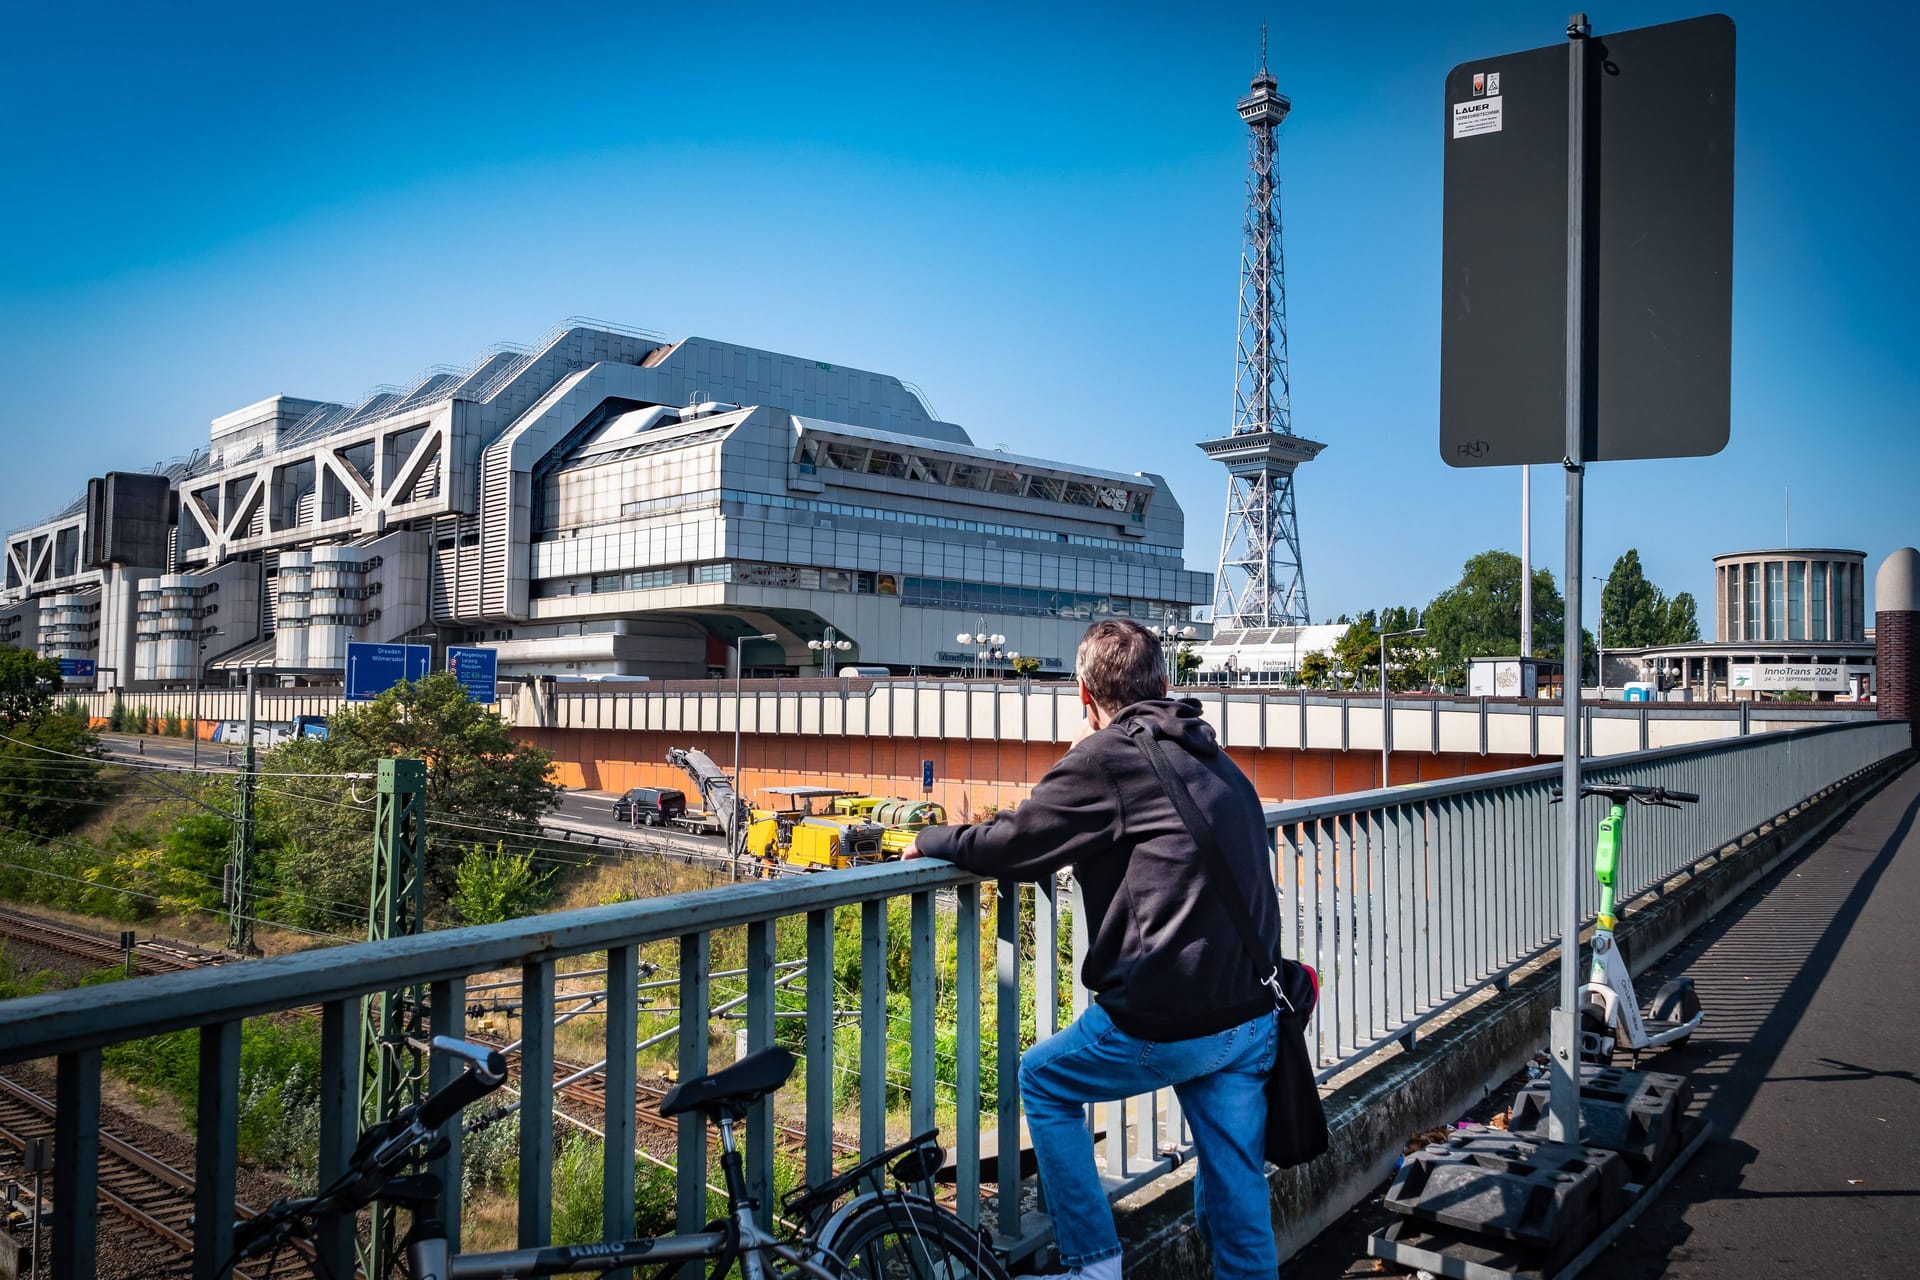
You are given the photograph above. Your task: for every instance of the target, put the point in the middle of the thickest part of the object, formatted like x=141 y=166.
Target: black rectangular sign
x=1658 y=235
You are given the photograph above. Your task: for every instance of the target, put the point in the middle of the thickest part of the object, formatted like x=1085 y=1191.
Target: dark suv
x=649 y=806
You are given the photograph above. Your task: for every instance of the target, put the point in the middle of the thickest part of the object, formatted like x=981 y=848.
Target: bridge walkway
x=1808 y=1066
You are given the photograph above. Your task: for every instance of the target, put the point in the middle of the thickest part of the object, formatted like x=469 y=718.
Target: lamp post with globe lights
x=987 y=648
x=1171 y=634
x=827 y=647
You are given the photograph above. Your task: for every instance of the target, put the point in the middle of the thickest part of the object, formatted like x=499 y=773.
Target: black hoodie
x=1163 y=958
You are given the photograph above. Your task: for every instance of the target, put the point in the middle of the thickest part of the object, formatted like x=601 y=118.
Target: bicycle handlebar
x=486 y=1071
x=1621 y=792
x=383 y=1149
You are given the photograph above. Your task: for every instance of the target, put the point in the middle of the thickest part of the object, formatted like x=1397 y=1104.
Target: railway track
x=590 y=1095
x=143 y=1191
x=152 y=956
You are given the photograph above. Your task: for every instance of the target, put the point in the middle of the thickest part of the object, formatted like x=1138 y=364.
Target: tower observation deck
x=1261 y=582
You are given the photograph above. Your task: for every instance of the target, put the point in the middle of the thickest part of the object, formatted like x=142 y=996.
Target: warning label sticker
x=1479 y=116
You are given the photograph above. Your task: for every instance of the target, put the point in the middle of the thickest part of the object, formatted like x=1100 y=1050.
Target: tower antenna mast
x=1261 y=582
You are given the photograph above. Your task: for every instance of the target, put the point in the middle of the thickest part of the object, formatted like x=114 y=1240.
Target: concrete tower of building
x=1261 y=581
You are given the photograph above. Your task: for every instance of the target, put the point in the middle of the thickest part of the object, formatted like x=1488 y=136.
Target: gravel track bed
x=125 y=1251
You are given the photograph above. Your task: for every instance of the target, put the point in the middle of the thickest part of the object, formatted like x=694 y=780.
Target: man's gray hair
x=1120 y=663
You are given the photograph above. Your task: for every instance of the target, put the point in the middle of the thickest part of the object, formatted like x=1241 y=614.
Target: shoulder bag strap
x=1203 y=839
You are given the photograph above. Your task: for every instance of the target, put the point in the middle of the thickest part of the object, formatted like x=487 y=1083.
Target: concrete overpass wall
x=989 y=741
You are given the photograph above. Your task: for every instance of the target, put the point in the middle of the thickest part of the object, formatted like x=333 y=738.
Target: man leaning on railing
x=1177 y=1001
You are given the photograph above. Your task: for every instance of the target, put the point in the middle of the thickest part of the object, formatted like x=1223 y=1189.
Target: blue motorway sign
x=476 y=669
x=76 y=668
x=926 y=775
x=372 y=669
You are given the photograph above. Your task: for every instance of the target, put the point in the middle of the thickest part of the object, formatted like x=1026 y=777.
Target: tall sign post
x=1586 y=310
x=1563 y=1041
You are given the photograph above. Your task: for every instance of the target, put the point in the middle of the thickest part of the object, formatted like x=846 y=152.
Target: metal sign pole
x=1564 y=1119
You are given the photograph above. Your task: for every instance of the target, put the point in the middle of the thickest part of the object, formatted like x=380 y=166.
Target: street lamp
x=1169 y=632
x=826 y=649
x=986 y=648
x=736 y=834
x=199 y=661
x=1386 y=713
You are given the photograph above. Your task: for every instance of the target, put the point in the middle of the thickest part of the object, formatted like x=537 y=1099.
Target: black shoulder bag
x=1296 y=1122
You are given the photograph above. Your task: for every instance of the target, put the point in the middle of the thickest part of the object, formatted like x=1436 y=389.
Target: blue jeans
x=1220 y=1081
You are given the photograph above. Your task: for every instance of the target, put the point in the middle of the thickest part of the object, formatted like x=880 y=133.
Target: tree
x=478 y=776
x=1682 y=622
x=1316 y=669
x=49 y=757
x=1186 y=661
x=1636 y=614
x=1479 y=616
x=1358 y=650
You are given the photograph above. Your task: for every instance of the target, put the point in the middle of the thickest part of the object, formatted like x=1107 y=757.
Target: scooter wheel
x=1594 y=1030
x=1675 y=1004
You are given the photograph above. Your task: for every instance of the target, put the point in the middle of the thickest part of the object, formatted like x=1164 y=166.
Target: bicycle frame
x=754 y=1247
x=744 y=1238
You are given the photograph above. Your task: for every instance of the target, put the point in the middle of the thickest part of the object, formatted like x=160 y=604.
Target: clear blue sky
x=1030 y=210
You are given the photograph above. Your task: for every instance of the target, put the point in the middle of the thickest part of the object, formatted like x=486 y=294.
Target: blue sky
x=1031 y=211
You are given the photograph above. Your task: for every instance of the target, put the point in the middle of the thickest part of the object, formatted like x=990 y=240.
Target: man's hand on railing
x=912 y=850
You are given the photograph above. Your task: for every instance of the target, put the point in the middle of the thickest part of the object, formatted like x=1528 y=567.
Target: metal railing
x=1407 y=900
x=1412 y=899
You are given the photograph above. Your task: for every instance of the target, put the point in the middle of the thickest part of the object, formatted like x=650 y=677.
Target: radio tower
x=1261 y=583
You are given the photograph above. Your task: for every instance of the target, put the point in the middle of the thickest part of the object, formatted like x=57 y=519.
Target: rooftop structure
x=604 y=501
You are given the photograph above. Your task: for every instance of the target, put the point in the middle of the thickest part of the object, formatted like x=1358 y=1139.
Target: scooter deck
x=1464 y=1258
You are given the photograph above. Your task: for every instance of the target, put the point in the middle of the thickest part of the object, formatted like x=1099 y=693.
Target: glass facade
x=1796 y=599
x=1791 y=599
x=943 y=593
x=890 y=515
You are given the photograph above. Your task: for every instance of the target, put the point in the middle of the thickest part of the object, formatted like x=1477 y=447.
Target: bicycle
x=1609 y=1008
x=878 y=1233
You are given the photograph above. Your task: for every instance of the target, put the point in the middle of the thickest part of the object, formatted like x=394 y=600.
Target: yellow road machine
x=799 y=837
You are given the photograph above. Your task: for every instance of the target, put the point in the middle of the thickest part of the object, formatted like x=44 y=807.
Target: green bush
x=279 y=1076
x=491 y=885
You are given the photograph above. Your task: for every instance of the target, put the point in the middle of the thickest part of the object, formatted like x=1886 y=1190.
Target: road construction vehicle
x=903 y=819
x=799 y=837
x=717 y=792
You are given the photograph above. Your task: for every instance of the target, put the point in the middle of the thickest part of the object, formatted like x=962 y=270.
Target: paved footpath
x=1808 y=1065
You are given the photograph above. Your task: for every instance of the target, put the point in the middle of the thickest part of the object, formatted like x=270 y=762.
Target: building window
x=1776 y=601
x=1750 y=601
x=713 y=573
x=1817 y=600
x=1796 y=599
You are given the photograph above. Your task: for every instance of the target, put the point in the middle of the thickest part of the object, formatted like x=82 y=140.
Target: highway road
x=587 y=813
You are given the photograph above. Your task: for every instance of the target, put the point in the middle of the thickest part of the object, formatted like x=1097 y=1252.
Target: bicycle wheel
x=906 y=1237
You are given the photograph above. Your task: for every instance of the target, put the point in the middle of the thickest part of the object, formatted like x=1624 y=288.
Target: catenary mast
x=1261 y=582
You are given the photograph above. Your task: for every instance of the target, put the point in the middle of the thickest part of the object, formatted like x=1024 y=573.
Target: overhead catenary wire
x=153 y=897
x=123 y=763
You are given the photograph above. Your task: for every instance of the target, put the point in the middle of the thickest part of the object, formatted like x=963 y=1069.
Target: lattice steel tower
x=1261 y=582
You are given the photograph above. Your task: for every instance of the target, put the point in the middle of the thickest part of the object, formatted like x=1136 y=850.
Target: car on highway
x=649 y=806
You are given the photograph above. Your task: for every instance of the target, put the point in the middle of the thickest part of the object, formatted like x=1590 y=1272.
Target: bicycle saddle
x=732 y=1089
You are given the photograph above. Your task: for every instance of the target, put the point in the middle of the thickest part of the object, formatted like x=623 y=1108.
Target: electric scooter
x=1609 y=1009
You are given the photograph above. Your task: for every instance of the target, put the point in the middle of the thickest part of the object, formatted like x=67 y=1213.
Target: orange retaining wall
x=968 y=775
